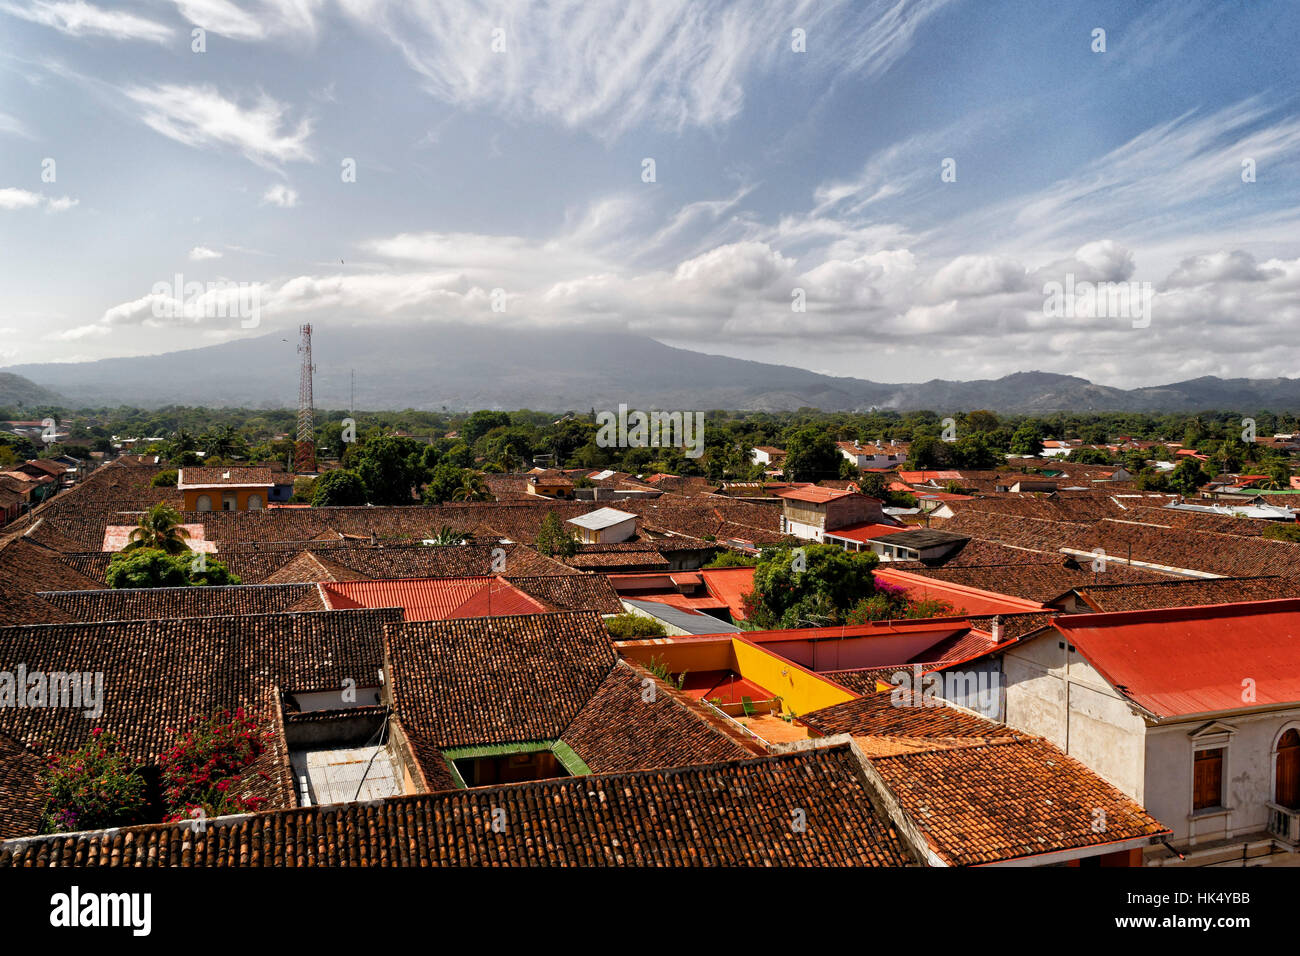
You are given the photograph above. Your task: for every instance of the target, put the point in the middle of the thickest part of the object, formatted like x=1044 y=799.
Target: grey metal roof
x=689 y=621
x=601 y=518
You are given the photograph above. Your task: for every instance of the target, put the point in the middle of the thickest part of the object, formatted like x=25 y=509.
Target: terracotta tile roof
x=434 y=599
x=1009 y=800
x=1214 y=553
x=571 y=592
x=644 y=560
x=1033 y=582
x=21 y=797
x=233 y=477
x=25 y=569
x=155 y=603
x=1185 y=593
x=619 y=729
x=728 y=814
x=496 y=680
x=158 y=673
x=879 y=715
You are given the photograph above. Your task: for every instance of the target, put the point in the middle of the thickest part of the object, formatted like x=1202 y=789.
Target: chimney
x=997 y=628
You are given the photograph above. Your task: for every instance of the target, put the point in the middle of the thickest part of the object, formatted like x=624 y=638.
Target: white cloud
x=14 y=198
x=200 y=253
x=77 y=18
x=609 y=66
x=200 y=116
x=259 y=20
x=280 y=195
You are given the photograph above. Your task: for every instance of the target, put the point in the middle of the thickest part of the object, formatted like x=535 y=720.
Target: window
x=1286 y=791
x=1207 y=779
x=254 y=502
x=204 y=503
x=228 y=502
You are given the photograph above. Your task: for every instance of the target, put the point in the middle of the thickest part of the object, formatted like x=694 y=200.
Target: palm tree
x=446 y=534
x=472 y=488
x=160 y=528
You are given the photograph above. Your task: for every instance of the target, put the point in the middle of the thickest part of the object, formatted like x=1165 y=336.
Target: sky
x=883 y=189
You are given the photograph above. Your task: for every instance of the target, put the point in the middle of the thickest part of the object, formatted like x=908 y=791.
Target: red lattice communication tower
x=304 y=453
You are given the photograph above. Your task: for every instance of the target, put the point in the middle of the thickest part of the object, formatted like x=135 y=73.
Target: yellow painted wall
x=216 y=494
x=801 y=692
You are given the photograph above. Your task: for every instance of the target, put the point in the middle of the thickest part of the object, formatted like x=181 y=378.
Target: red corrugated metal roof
x=435 y=599
x=1178 y=662
x=865 y=532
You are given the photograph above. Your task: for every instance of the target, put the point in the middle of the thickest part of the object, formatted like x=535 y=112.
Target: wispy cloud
x=200 y=116
x=609 y=66
x=259 y=20
x=203 y=253
x=79 y=19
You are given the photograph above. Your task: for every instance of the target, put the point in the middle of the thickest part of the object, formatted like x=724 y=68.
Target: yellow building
x=225 y=489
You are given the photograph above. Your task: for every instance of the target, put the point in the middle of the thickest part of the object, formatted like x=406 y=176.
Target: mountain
x=18 y=392
x=467 y=367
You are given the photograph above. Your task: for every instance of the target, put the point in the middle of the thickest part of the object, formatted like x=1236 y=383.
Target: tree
x=164 y=479
x=480 y=423
x=472 y=487
x=391 y=468
x=151 y=568
x=814 y=584
x=446 y=534
x=94 y=787
x=1027 y=441
x=338 y=488
x=1283 y=532
x=1188 y=477
x=442 y=484
x=811 y=455
x=160 y=529
x=554 y=539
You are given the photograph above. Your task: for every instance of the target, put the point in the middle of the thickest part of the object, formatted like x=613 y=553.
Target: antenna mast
x=304 y=457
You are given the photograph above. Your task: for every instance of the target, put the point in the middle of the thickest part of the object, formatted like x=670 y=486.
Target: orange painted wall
x=242 y=495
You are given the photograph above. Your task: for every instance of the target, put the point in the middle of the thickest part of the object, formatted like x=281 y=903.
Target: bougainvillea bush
x=207 y=767
x=93 y=787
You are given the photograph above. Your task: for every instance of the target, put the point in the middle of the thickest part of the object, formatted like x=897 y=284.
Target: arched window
x=254 y=502
x=1286 y=791
x=204 y=503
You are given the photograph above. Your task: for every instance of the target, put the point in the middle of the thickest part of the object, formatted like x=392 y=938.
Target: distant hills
x=19 y=392
x=466 y=367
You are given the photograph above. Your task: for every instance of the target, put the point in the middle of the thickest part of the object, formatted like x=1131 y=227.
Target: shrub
x=93 y=787
x=165 y=479
x=629 y=627
x=204 y=769
x=151 y=568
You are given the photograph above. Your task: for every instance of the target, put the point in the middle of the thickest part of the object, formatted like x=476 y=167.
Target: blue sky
x=520 y=170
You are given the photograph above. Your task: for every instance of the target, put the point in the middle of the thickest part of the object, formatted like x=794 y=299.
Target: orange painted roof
x=815 y=494
x=865 y=532
x=434 y=599
x=963 y=598
x=728 y=585
x=1178 y=662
